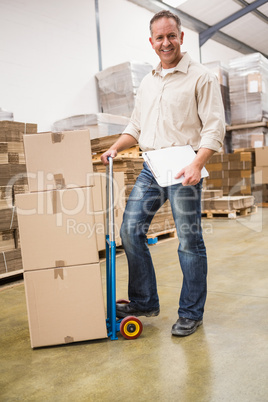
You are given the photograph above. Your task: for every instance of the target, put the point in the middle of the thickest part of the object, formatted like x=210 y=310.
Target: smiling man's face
x=166 y=40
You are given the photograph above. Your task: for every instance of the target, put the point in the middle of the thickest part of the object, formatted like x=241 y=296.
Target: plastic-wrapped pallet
x=248 y=81
x=117 y=86
x=222 y=72
x=99 y=124
x=250 y=137
x=6 y=115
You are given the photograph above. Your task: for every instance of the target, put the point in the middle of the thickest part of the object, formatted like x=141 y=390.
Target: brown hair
x=165 y=14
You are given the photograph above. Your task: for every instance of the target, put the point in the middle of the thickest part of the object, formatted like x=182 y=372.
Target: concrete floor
x=225 y=360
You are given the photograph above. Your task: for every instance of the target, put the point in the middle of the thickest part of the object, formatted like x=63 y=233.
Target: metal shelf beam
x=208 y=33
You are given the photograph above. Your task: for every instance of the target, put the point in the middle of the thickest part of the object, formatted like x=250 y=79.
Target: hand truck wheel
x=122 y=301
x=131 y=327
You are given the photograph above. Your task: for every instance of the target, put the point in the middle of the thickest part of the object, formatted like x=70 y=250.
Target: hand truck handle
x=110 y=199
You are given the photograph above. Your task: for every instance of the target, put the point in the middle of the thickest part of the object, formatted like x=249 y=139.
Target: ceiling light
x=174 y=3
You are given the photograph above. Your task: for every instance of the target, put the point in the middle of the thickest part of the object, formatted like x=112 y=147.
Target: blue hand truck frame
x=130 y=327
x=113 y=325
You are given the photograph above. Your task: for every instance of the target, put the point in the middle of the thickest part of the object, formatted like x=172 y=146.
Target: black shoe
x=124 y=310
x=185 y=326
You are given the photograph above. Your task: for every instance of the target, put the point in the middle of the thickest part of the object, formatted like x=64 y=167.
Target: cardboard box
x=58 y=160
x=228 y=203
x=211 y=194
x=230 y=173
x=10 y=261
x=99 y=201
x=57 y=228
x=236 y=190
x=261 y=174
x=237 y=165
x=97 y=192
x=100 y=226
x=117 y=86
x=258 y=140
x=65 y=305
x=254 y=83
x=261 y=156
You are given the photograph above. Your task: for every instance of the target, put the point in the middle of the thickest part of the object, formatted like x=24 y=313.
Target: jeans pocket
x=140 y=189
x=143 y=184
x=199 y=185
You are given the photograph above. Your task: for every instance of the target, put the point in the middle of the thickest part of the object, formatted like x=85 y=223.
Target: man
x=179 y=103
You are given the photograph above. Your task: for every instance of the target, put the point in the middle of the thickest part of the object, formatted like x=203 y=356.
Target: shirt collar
x=182 y=65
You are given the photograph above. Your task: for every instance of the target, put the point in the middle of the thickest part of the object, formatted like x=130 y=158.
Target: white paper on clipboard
x=167 y=162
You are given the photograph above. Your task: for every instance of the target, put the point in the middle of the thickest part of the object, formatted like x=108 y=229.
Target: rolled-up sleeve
x=211 y=112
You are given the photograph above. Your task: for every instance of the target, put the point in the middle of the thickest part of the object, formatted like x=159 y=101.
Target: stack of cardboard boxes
x=99 y=124
x=231 y=172
x=240 y=173
x=255 y=137
x=58 y=240
x=117 y=86
x=12 y=179
x=261 y=174
x=248 y=80
x=100 y=206
x=222 y=73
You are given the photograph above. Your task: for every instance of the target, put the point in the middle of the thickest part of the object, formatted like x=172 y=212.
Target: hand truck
x=130 y=327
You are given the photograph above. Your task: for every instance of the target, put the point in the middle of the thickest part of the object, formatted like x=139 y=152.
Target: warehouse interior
x=70 y=74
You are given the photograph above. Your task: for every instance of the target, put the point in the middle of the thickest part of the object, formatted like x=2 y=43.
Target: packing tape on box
x=60 y=263
x=58 y=272
x=4 y=258
x=68 y=339
x=59 y=180
x=12 y=217
x=56 y=137
x=56 y=206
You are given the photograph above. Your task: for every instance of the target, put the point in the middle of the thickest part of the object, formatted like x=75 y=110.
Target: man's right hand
x=104 y=157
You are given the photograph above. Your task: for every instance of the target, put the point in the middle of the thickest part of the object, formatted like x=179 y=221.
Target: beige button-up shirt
x=184 y=107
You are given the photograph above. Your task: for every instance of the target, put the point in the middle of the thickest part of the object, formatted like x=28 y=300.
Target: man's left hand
x=192 y=175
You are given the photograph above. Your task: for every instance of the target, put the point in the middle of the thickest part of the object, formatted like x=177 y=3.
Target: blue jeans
x=144 y=201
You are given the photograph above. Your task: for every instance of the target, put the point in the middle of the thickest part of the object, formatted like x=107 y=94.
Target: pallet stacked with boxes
x=232 y=173
x=235 y=171
x=248 y=137
x=221 y=71
x=248 y=80
x=231 y=178
x=58 y=241
x=228 y=206
x=118 y=85
x=12 y=179
x=261 y=175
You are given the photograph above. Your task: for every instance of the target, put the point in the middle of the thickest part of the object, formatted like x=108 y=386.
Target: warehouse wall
x=48 y=59
x=49 y=53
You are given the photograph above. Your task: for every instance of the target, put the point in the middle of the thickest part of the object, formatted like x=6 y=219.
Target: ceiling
x=247 y=34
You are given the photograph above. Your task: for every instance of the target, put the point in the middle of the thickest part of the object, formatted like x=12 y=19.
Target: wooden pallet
x=165 y=234
x=263 y=204
x=11 y=274
x=231 y=214
x=133 y=152
x=263 y=123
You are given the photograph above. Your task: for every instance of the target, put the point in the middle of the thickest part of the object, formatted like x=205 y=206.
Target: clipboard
x=167 y=162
